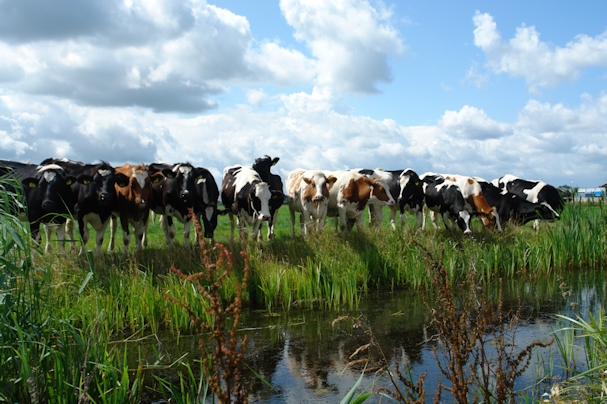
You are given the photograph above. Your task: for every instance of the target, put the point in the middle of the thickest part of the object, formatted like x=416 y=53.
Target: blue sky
x=464 y=87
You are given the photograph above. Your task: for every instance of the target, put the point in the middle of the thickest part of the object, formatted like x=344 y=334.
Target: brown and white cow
x=134 y=194
x=477 y=204
x=350 y=194
x=308 y=193
x=247 y=197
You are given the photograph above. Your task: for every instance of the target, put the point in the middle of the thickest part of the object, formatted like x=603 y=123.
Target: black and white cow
x=534 y=191
x=263 y=165
x=49 y=198
x=184 y=189
x=512 y=208
x=445 y=197
x=246 y=196
x=405 y=187
x=205 y=204
x=95 y=196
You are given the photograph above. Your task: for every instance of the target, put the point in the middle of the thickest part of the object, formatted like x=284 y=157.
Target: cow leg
x=231 y=228
x=113 y=229
x=343 y=219
x=139 y=230
x=243 y=232
x=168 y=228
x=126 y=235
x=292 y=217
x=377 y=213
x=69 y=229
x=145 y=232
x=60 y=230
x=84 y=234
x=536 y=224
x=48 y=233
x=99 y=236
x=393 y=219
x=419 y=218
x=307 y=222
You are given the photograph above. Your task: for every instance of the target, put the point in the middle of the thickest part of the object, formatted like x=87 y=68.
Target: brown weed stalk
x=477 y=335
x=223 y=363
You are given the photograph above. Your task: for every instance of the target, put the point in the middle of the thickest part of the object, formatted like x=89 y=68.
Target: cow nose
x=47 y=205
x=264 y=217
x=318 y=198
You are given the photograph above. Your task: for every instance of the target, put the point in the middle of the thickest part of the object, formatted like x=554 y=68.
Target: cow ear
x=30 y=182
x=306 y=180
x=167 y=172
x=331 y=179
x=275 y=160
x=122 y=180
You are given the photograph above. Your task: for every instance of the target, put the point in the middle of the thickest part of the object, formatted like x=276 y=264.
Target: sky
x=461 y=87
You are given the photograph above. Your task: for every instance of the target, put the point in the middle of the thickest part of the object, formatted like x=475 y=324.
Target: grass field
x=62 y=312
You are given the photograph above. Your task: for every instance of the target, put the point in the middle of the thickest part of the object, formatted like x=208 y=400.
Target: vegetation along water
x=80 y=329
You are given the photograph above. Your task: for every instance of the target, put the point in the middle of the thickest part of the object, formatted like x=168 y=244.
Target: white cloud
x=351 y=40
x=472 y=123
x=256 y=97
x=171 y=56
x=318 y=130
x=539 y=63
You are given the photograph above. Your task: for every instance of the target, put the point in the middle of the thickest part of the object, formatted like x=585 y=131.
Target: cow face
x=260 y=200
x=51 y=186
x=102 y=184
x=317 y=187
x=379 y=191
x=180 y=182
x=263 y=164
x=134 y=183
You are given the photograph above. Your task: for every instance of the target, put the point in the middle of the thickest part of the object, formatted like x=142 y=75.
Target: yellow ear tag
x=416 y=183
x=31 y=185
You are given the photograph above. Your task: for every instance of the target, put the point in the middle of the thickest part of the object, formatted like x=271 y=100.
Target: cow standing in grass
x=246 y=197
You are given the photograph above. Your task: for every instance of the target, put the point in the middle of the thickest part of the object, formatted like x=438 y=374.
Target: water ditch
x=307 y=359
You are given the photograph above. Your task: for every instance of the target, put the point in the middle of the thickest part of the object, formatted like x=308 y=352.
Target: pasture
x=86 y=304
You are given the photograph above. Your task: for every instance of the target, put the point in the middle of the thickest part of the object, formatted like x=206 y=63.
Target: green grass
x=74 y=301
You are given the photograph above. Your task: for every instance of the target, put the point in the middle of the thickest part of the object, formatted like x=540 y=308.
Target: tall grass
x=43 y=357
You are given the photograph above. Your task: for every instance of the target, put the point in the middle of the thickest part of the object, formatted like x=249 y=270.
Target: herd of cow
x=57 y=189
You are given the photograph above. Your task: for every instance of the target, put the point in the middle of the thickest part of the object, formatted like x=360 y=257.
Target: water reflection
x=306 y=359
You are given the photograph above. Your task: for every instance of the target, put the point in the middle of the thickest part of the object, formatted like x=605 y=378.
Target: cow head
x=134 y=183
x=259 y=199
x=181 y=179
x=102 y=183
x=263 y=164
x=53 y=186
x=317 y=187
x=380 y=191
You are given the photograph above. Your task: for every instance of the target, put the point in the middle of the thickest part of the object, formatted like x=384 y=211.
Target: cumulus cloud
x=163 y=55
x=256 y=97
x=351 y=40
x=538 y=62
x=317 y=130
x=472 y=123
